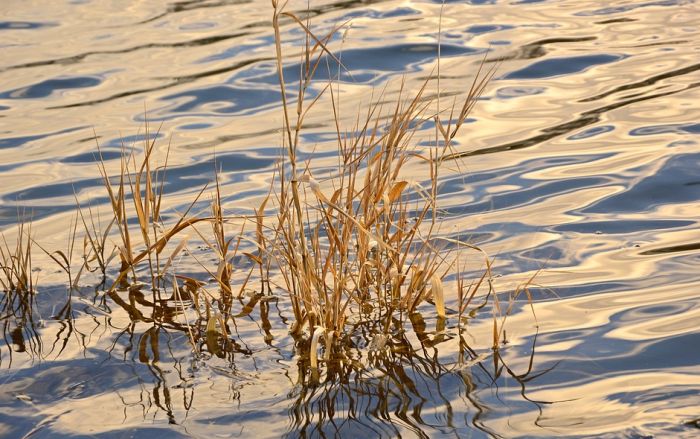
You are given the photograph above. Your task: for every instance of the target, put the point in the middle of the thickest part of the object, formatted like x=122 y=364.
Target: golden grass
x=363 y=240
x=16 y=260
x=360 y=244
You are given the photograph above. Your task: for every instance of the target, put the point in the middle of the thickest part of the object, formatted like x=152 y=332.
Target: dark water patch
x=14 y=142
x=238 y=49
x=198 y=26
x=480 y=29
x=92 y=157
x=324 y=9
x=398 y=12
x=592 y=132
x=73 y=59
x=50 y=86
x=569 y=335
x=587 y=118
x=668 y=395
x=323 y=136
x=661 y=354
x=536 y=49
x=368 y=65
x=617 y=20
x=640 y=313
x=232 y=163
x=545 y=254
x=16 y=426
x=682 y=143
x=554 y=67
x=602 y=354
x=78 y=378
x=440 y=143
x=695 y=423
x=629 y=7
x=134 y=140
x=452 y=35
x=670 y=184
x=224 y=99
x=545 y=257
x=528 y=191
x=662 y=43
x=677 y=128
x=195 y=126
x=469 y=2
x=170 y=84
x=21 y=25
x=187 y=177
x=54 y=190
x=622 y=226
x=646 y=82
x=402 y=11
x=518 y=92
x=692 y=246
x=191 y=5
x=46 y=384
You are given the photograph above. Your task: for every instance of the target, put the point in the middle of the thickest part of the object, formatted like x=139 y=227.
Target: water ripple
x=579 y=164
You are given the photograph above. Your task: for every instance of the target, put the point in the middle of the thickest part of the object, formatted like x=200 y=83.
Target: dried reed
x=363 y=239
x=360 y=245
x=16 y=261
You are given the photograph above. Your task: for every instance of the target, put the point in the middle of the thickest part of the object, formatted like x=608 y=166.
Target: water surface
x=580 y=161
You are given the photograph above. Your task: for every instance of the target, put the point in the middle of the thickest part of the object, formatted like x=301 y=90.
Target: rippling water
x=581 y=160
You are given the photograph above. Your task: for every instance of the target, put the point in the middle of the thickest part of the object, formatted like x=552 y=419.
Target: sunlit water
x=581 y=160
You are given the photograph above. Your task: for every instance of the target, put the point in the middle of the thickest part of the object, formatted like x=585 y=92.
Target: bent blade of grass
x=438 y=295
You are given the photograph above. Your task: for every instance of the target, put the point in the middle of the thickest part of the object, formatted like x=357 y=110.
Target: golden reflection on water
x=588 y=176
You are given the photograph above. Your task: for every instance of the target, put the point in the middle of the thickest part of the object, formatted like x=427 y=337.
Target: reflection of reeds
x=350 y=399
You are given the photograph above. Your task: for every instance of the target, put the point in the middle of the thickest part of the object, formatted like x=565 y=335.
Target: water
x=580 y=161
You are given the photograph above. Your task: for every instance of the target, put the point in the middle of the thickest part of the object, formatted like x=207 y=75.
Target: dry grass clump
x=17 y=287
x=16 y=260
x=148 y=247
x=361 y=244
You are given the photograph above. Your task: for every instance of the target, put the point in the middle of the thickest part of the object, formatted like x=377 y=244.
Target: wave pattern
x=580 y=163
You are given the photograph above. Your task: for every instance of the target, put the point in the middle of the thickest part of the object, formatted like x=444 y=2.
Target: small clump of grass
x=64 y=259
x=97 y=251
x=16 y=260
x=18 y=288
